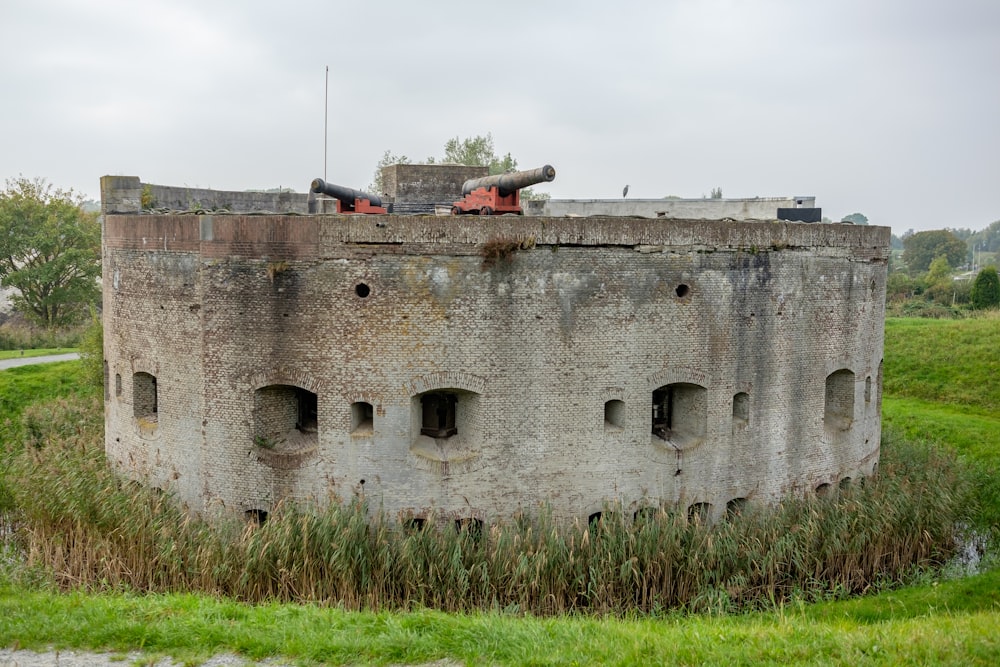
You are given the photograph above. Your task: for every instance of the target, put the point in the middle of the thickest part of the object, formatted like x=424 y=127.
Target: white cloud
x=886 y=108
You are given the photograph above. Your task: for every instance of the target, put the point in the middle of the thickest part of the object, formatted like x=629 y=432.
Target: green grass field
x=944 y=624
x=950 y=362
x=23 y=385
x=942 y=384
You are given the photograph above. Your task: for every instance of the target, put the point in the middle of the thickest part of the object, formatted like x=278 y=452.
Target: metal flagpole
x=326 y=116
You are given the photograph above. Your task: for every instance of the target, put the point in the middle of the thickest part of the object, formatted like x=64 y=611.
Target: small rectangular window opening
x=362 y=417
x=614 y=414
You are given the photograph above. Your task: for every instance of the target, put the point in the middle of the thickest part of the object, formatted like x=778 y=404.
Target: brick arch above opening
x=613 y=394
x=362 y=397
x=284 y=376
x=140 y=365
x=676 y=374
x=840 y=364
x=445 y=379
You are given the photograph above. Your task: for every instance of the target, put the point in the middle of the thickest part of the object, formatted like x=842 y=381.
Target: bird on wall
x=625 y=192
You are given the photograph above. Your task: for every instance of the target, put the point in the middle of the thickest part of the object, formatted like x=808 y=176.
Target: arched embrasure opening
x=680 y=414
x=438 y=414
x=470 y=526
x=362 y=417
x=741 y=410
x=700 y=513
x=838 y=412
x=614 y=414
x=256 y=516
x=285 y=417
x=735 y=507
x=145 y=402
x=414 y=524
x=644 y=514
x=446 y=425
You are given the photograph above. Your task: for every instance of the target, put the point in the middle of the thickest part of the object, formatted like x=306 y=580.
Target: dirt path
x=23 y=658
x=27 y=361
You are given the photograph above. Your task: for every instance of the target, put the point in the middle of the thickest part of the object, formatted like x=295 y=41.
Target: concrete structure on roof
x=755 y=208
x=477 y=367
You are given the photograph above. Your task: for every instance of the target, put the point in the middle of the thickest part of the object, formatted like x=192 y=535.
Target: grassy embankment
x=939 y=622
x=942 y=385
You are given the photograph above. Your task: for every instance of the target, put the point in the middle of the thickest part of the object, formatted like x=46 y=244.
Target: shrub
x=501 y=249
x=17 y=334
x=92 y=353
x=986 y=289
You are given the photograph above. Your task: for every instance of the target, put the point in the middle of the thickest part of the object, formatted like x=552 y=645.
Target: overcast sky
x=888 y=108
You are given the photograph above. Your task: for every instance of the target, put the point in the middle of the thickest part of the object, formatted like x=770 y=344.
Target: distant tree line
x=924 y=281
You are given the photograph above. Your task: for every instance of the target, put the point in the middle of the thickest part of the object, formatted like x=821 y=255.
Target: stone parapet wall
x=335 y=235
x=125 y=194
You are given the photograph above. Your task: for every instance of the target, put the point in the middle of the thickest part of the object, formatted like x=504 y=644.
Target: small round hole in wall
x=362 y=290
x=682 y=290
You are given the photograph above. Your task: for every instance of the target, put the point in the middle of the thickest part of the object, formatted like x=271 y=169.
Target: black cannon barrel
x=507 y=184
x=346 y=195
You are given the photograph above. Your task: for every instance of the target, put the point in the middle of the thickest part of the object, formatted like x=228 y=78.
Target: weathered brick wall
x=381 y=309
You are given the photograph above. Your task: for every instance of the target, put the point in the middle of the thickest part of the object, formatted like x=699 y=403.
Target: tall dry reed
x=89 y=528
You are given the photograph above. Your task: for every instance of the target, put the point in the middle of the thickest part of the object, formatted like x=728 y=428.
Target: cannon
x=496 y=195
x=349 y=200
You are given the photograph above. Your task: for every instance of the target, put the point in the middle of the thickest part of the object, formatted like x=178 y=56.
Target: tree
x=986 y=289
x=50 y=251
x=478 y=151
x=855 y=218
x=937 y=282
x=92 y=352
x=987 y=239
x=899 y=287
x=716 y=193
x=920 y=249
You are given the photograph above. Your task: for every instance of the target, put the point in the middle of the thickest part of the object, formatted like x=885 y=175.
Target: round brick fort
x=477 y=367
